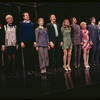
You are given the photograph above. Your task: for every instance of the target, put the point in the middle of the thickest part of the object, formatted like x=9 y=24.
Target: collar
x=25 y=21
x=9 y=25
x=53 y=22
x=92 y=23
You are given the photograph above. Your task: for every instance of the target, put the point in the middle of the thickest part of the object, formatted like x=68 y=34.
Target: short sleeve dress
x=66 y=35
x=85 y=38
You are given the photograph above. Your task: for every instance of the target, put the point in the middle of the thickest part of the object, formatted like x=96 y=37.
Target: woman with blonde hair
x=42 y=42
x=85 y=44
x=10 y=43
x=67 y=43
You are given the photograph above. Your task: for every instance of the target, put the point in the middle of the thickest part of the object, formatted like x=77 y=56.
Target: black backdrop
x=81 y=10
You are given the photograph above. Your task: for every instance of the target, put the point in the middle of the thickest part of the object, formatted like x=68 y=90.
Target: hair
x=63 y=24
x=7 y=16
x=82 y=24
x=51 y=15
x=25 y=12
x=72 y=18
x=40 y=19
x=91 y=18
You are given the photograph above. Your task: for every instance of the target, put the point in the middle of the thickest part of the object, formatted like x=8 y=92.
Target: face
x=53 y=18
x=26 y=16
x=66 y=23
x=10 y=20
x=93 y=20
x=41 y=22
x=74 y=20
x=84 y=25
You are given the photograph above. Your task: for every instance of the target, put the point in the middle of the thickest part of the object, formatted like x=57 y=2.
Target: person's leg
x=57 y=54
x=46 y=58
x=9 y=66
x=79 y=55
x=85 y=57
x=64 y=58
x=26 y=57
x=75 y=55
x=53 y=56
x=94 y=54
x=13 y=67
x=97 y=52
x=31 y=53
x=41 y=58
x=69 y=58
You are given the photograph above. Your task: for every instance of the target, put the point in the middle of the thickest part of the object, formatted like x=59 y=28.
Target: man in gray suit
x=94 y=36
x=76 y=41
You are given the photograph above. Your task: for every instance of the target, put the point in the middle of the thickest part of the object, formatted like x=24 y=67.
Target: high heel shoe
x=69 y=68
x=66 y=69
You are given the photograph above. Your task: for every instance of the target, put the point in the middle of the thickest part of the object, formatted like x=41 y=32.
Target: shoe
x=32 y=72
x=78 y=66
x=97 y=65
x=44 y=70
x=69 y=68
x=75 y=66
x=54 y=70
x=88 y=66
x=66 y=69
x=29 y=74
x=59 y=70
x=94 y=65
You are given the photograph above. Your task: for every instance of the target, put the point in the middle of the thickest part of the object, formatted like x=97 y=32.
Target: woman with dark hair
x=67 y=43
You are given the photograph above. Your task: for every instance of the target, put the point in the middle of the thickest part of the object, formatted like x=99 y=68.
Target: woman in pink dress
x=85 y=44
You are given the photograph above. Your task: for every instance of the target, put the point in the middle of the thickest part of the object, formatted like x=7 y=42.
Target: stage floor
x=78 y=83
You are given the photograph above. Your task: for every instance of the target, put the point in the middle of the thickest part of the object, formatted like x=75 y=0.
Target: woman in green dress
x=67 y=44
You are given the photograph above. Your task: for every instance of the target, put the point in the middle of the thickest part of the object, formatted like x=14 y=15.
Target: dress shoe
x=97 y=65
x=76 y=67
x=32 y=72
x=29 y=74
x=59 y=69
x=94 y=65
x=55 y=70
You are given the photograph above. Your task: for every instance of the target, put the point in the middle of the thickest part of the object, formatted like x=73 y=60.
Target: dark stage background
x=81 y=10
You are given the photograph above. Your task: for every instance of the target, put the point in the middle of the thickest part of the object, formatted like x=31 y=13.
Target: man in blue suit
x=94 y=36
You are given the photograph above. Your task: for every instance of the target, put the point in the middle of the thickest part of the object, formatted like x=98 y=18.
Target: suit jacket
x=52 y=34
x=94 y=33
x=76 y=34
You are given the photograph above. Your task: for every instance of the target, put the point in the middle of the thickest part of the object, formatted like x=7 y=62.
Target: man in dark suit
x=55 y=39
x=76 y=41
x=94 y=36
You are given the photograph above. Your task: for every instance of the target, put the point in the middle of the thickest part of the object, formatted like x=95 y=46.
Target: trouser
x=95 y=55
x=28 y=56
x=43 y=57
x=55 y=55
x=77 y=55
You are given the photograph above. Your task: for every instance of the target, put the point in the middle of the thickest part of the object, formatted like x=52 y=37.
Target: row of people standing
x=51 y=37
